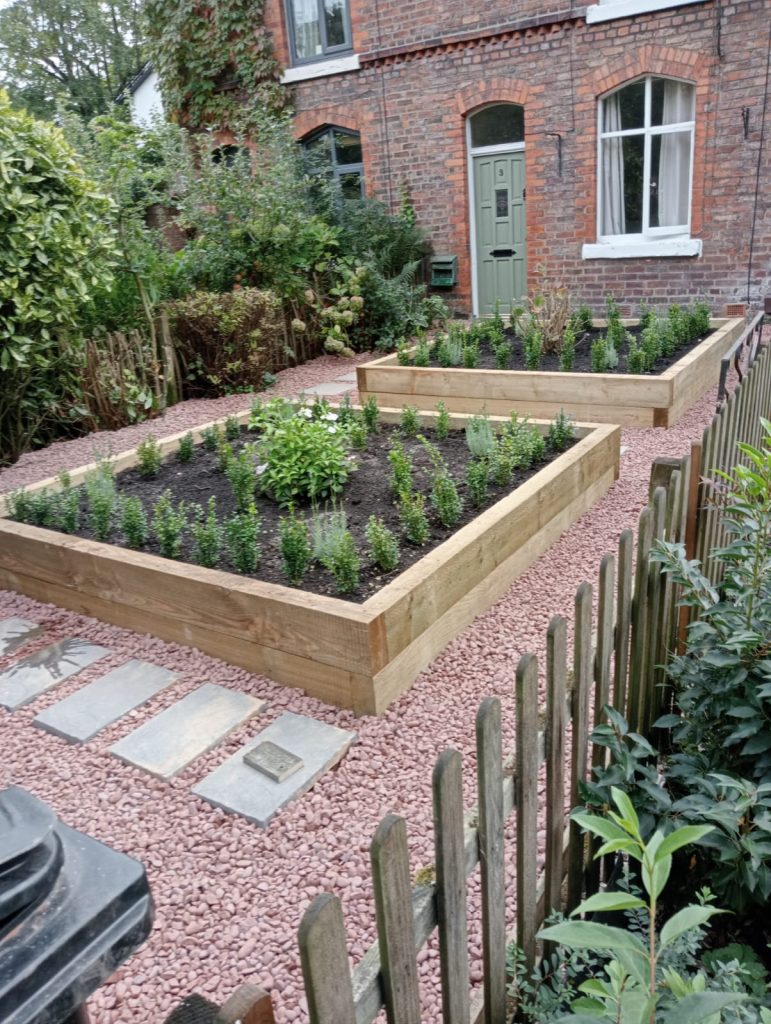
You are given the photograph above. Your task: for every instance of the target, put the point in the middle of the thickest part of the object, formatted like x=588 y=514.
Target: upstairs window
x=337 y=151
x=318 y=29
x=646 y=160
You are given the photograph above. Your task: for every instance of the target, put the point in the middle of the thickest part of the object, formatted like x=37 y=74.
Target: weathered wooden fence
x=738 y=419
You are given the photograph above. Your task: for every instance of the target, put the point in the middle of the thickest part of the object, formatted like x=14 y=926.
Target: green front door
x=499 y=208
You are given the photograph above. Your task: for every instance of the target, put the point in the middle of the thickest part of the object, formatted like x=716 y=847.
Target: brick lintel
x=474 y=36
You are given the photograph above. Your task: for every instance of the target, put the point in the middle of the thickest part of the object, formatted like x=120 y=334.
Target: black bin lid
x=71 y=910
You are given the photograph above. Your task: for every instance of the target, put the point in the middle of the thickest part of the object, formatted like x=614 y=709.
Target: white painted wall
x=146 y=102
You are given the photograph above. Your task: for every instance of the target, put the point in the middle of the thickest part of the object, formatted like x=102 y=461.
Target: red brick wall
x=411 y=108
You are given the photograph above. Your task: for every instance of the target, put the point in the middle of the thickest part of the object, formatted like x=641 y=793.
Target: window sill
x=628 y=8
x=639 y=250
x=321 y=69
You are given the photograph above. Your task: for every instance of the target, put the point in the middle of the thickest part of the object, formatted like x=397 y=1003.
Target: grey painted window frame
x=327 y=52
x=338 y=170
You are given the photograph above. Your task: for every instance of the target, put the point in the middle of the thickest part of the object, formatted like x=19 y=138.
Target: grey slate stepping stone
x=171 y=740
x=347 y=376
x=84 y=713
x=14 y=632
x=38 y=672
x=332 y=387
x=237 y=787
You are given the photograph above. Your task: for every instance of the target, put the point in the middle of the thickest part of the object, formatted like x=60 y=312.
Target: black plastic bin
x=71 y=910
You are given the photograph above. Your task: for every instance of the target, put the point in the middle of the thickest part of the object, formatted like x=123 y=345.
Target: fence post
x=556 y=693
x=324 y=959
x=582 y=674
x=249 y=1004
x=623 y=619
x=451 y=886
x=527 y=805
x=491 y=857
x=395 y=922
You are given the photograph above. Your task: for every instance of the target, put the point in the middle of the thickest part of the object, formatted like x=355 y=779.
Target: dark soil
x=582 y=363
x=366 y=493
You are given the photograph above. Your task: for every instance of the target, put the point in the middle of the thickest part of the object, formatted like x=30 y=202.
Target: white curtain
x=674 y=178
x=613 y=216
x=307 y=39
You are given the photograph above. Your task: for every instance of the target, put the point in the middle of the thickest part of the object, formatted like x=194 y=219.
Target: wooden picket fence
x=738 y=419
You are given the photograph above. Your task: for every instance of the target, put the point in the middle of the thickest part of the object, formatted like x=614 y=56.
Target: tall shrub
x=57 y=249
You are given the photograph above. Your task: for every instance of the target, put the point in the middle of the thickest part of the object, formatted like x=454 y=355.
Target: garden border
x=358 y=656
x=640 y=400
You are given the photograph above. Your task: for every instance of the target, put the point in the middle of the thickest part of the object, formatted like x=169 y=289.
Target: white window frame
x=608 y=10
x=648 y=131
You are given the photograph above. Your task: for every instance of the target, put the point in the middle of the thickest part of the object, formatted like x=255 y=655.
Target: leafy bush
x=241 y=472
x=242 y=535
x=480 y=437
x=207 y=535
x=568 y=350
x=327 y=529
x=295 y=548
x=102 y=500
x=186 y=448
x=409 y=422
x=305 y=459
x=383 y=545
x=477 y=479
x=226 y=342
x=150 y=458
x=401 y=468
x=562 y=432
x=412 y=512
x=133 y=522
x=343 y=562
x=442 y=425
x=447 y=503
x=169 y=525
x=57 y=250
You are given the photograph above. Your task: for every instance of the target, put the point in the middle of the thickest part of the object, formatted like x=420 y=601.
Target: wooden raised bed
x=641 y=400
x=359 y=656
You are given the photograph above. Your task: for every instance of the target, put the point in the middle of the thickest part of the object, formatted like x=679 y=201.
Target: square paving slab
x=81 y=715
x=326 y=390
x=15 y=632
x=38 y=672
x=171 y=740
x=237 y=787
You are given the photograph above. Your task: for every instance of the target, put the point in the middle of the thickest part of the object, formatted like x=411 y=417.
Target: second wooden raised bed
x=641 y=400
x=359 y=656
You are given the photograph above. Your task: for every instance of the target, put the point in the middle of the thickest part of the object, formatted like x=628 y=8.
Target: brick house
x=619 y=146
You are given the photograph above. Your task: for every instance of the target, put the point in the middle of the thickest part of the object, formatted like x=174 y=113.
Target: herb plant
x=562 y=432
x=409 y=423
x=327 y=529
x=412 y=512
x=383 y=544
x=102 y=501
x=401 y=468
x=207 y=535
x=242 y=477
x=442 y=425
x=480 y=436
x=232 y=428
x=371 y=415
x=133 y=522
x=532 y=346
x=169 y=525
x=304 y=460
x=150 y=457
x=186 y=448
x=210 y=437
x=344 y=564
x=295 y=547
x=242 y=536
x=477 y=479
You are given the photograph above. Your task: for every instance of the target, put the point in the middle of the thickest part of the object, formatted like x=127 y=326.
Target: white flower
x=306 y=412
x=329 y=416
x=261 y=468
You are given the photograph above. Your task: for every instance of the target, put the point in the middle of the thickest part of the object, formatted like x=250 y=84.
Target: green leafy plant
x=532 y=346
x=582 y=321
x=477 y=479
x=327 y=528
x=232 y=428
x=562 y=432
x=225 y=454
x=383 y=544
x=101 y=499
x=636 y=359
x=502 y=351
x=445 y=498
x=412 y=513
x=242 y=536
x=568 y=350
x=357 y=432
x=471 y=353
x=403 y=357
x=371 y=415
x=304 y=459
x=150 y=457
x=480 y=436
x=344 y=563
x=442 y=425
x=133 y=522
x=169 y=525
x=207 y=535
x=422 y=352
x=409 y=423
x=210 y=438
x=58 y=250
x=633 y=988
x=449 y=347
x=241 y=472
x=401 y=468
x=295 y=547
x=186 y=448
x=604 y=355
x=69 y=509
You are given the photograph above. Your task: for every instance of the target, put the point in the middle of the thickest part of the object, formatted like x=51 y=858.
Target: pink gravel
x=229 y=897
